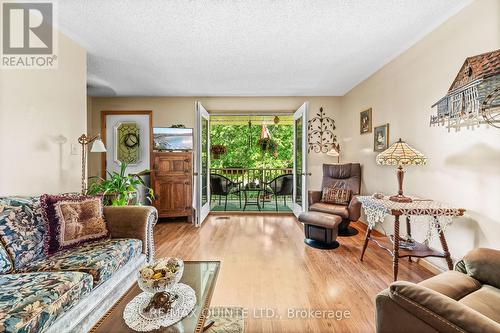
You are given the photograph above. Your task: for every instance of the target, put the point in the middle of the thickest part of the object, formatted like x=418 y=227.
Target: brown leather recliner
x=464 y=300
x=346 y=176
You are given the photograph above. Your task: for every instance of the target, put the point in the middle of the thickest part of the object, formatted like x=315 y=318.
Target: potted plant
x=268 y=145
x=119 y=189
x=217 y=151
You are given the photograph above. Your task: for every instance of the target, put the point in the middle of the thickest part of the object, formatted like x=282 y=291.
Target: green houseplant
x=268 y=145
x=120 y=189
x=217 y=151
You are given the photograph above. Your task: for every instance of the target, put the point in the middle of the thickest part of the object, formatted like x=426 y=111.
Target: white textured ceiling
x=243 y=48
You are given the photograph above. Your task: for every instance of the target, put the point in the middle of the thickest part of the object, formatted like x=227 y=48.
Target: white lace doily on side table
x=181 y=308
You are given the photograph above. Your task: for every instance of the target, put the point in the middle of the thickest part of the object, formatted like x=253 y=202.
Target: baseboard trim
x=429 y=266
x=249 y=212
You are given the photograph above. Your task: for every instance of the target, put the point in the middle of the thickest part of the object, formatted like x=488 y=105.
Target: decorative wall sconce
x=320 y=133
x=97 y=147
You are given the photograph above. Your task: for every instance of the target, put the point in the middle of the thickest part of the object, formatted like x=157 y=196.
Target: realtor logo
x=28 y=35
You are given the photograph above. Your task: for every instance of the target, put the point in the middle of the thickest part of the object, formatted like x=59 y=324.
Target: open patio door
x=300 y=173
x=202 y=165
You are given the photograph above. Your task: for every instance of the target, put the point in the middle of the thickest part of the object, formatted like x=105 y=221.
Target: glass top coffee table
x=199 y=275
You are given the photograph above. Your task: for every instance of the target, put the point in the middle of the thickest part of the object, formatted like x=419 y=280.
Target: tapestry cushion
x=100 y=259
x=22 y=230
x=5 y=262
x=72 y=221
x=31 y=302
x=336 y=195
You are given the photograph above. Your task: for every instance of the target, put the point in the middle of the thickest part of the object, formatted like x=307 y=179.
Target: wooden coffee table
x=199 y=275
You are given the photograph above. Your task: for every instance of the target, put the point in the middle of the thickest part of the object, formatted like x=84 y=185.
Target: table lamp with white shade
x=97 y=147
x=401 y=154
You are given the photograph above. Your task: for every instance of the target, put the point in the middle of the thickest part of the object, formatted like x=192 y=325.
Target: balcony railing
x=248 y=175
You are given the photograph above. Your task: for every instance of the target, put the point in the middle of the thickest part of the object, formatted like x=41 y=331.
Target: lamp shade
x=333 y=152
x=400 y=153
x=98 y=146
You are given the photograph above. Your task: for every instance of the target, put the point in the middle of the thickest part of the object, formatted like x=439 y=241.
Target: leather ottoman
x=320 y=229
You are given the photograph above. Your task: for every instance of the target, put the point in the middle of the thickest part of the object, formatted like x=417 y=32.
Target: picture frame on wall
x=365 y=121
x=381 y=138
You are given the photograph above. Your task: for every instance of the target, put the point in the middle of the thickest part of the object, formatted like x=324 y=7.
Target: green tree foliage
x=243 y=152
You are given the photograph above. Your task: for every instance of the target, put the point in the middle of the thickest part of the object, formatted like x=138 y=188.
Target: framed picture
x=365 y=121
x=381 y=138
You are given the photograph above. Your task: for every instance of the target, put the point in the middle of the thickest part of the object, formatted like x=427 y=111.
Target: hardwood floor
x=266 y=265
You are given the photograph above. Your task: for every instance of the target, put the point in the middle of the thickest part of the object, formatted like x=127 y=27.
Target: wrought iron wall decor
x=474 y=96
x=320 y=133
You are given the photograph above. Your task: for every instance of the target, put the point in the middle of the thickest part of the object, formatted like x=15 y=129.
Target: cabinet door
x=172 y=164
x=173 y=195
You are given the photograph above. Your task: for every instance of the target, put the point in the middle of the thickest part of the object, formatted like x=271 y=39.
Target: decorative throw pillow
x=335 y=195
x=22 y=230
x=72 y=220
x=5 y=263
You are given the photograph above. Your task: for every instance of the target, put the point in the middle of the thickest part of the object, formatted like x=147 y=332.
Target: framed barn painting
x=365 y=121
x=381 y=138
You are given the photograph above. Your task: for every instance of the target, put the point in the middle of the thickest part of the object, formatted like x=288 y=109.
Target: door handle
x=195 y=174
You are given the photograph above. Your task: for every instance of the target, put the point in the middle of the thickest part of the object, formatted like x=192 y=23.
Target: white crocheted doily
x=182 y=307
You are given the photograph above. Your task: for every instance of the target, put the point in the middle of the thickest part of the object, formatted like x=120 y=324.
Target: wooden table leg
x=408 y=232
x=365 y=244
x=395 y=253
x=444 y=245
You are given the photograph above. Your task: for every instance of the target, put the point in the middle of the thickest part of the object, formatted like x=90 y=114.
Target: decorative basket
x=171 y=274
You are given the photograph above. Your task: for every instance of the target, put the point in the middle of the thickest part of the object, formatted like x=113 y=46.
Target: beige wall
x=181 y=110
x=42 y=112
x=463 y=167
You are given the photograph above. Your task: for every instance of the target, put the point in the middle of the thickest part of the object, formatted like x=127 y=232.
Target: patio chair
x=223 y=187
x=281 y=186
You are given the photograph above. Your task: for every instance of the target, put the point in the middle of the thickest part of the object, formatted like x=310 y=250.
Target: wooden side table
x=377 y=209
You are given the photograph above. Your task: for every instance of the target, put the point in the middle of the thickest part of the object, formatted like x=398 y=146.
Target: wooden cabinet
x=172 y=179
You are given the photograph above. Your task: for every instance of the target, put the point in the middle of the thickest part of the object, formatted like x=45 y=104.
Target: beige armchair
x=464 y=300
x=346 y=176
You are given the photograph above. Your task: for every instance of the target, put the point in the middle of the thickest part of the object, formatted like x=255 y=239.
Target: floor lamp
x=97 y=147
x=335 y=152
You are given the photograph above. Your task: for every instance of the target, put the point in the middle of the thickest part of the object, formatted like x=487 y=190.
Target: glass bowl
x=170 y=269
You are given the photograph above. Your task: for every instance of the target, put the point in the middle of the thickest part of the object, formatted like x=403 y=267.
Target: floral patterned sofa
x=72 y=289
